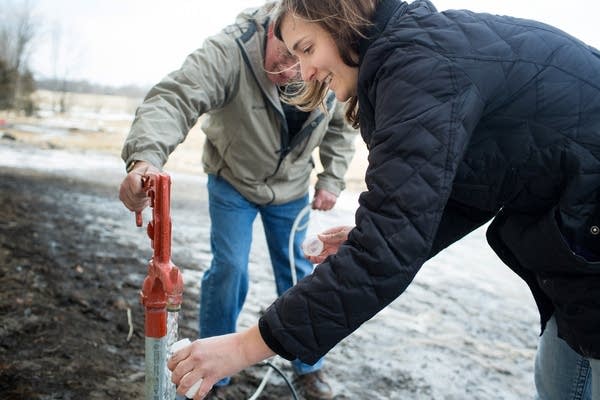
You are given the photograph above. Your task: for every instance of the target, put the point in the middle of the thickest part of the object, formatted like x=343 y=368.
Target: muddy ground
x=72 y=264
x=64 y=300
x=71 y=269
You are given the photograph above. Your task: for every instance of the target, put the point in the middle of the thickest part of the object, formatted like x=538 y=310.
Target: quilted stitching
x=491 y=112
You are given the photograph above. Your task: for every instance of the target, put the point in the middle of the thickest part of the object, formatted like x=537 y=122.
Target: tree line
x=84 y=86
x=19 y=26
x=17 y=30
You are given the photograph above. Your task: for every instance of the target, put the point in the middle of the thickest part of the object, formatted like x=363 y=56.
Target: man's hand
x=332 y=239
x=131 y=192
x=323 y=200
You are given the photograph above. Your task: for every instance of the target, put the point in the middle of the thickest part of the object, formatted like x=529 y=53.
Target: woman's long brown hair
x=347 y=21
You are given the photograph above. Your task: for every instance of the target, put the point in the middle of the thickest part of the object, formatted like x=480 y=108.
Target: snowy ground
x=465 y=329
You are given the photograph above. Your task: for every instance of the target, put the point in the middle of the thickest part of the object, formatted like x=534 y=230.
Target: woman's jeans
x=561 y=373
x=225 y=283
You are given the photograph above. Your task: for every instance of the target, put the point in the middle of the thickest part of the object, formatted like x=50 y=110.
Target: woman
x=468 y=118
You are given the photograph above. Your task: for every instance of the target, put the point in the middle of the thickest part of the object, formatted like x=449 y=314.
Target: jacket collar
x=252 y=45
x=385 y=10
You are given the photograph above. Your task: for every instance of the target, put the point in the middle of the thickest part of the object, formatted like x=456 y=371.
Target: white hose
x=262 y=385
x=295 y=228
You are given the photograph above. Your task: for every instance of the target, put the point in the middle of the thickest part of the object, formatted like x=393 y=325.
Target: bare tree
x=59 y=73
x=66 y=57
x=18 y=27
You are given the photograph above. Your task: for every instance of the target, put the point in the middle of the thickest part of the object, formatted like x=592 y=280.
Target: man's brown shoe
x=313 y=386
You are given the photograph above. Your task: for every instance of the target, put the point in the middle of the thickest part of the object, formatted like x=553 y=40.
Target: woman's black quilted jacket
x=468 y=117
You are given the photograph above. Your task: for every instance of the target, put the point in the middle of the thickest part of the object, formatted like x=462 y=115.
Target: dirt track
x=64 y=300
x=70 y=269
x=72 y=263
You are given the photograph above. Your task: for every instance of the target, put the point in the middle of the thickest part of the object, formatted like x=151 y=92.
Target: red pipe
x=163 y=286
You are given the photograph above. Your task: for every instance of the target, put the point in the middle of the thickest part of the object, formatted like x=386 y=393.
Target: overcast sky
x=120 y=42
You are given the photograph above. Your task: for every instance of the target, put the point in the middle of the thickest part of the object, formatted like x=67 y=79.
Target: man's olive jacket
x=247 y=140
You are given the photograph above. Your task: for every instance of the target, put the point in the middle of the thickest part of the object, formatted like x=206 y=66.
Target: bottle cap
x=193 y=389
x=175 y=347
x=312 y=246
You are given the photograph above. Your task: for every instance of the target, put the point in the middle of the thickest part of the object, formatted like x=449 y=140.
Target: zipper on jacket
x=309 y=127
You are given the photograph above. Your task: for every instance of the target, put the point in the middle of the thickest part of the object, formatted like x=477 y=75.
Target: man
x=257 y=155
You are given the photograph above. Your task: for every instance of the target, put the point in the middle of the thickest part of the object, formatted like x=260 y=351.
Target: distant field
x=86 y=103
x=101 y=122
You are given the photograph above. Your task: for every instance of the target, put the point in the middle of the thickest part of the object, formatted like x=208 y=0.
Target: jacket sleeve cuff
x=130 y=165
x=329 y=185
x=265 y=332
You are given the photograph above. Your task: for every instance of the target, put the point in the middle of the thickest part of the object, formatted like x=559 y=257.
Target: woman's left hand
x=214 y=358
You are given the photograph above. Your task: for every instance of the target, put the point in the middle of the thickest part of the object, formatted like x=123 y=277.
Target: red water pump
x=162 y=291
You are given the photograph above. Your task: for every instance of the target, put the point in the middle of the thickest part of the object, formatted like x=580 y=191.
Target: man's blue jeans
x=225 y=283
x=561 y=373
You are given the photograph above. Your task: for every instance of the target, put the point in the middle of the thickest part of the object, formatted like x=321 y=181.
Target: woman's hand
x=214 y=358
x=332 y=239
